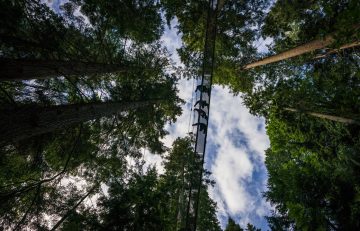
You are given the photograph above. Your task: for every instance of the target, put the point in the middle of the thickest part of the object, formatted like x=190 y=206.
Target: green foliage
x=137 y=20
x=32 y=30
x=44 y=176
x=146 y=201
x=324 y=86
x=313 y=164
x=132 y=206
x=313 y=179
x=237 y=29
x=232 y=226
x=181 y=179
x=295 y=22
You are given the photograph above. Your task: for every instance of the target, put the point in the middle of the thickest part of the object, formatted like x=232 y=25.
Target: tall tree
x=312 y=175
x=324 y=116
x=17 y=69
x=182 y=169
x=299 y=22
x=134 y=205
x=145 y=201
x=39 y=43
x=325 y=87
x=41 y=176
x=27 y=121
x=299 y=50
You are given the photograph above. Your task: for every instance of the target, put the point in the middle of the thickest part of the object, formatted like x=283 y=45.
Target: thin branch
x=28 y=210
x=68 y=213
x=82 y=95
x=29 y=187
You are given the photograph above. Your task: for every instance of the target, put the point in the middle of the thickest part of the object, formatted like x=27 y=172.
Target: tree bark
x=219 y=6
x=22 y=69
x=346 y=46
x=325 y=116
x=27 y=121
x=302 y=49
x=299 y=50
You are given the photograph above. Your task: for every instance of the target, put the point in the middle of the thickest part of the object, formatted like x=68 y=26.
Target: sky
x=235 y=150
x=236 y=144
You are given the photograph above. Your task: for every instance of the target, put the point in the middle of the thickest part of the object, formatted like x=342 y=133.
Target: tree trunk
x=346 y=46
x=325 y=116
x=21 y=69
x=219 y=6
x=68 y=213
x=302 y=49
x=26 y=121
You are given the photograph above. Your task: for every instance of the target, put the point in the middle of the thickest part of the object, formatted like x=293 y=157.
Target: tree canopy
x=87 y=88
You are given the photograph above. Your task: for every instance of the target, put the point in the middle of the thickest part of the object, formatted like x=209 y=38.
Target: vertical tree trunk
x=27 y=121
x=325 y=116
x=18 y=69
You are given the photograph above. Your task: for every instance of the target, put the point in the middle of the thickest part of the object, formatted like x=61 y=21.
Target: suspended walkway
x=202 y=109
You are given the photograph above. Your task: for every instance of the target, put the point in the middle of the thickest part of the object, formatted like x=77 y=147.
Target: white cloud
x=172 y=40
x=54 y=4
x=237 y=158
x=262 y=44
x=153 y=160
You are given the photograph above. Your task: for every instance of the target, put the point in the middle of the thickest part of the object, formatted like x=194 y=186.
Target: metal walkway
x=202 y=109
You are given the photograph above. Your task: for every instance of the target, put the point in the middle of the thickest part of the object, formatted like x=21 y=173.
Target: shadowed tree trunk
x=302 y=49
x=26 y=121
x=19 y=69
x=325 y=116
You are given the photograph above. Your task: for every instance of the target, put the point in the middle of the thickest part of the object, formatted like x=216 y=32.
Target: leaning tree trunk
x=299 y=50
x=22 y=69
x=27 y=121
x=333 y=51
x=325 y=116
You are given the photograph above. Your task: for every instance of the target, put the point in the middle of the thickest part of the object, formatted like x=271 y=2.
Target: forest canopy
x=88 y=87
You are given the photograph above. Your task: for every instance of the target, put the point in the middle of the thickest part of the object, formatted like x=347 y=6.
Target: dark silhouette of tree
x=232 y=226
